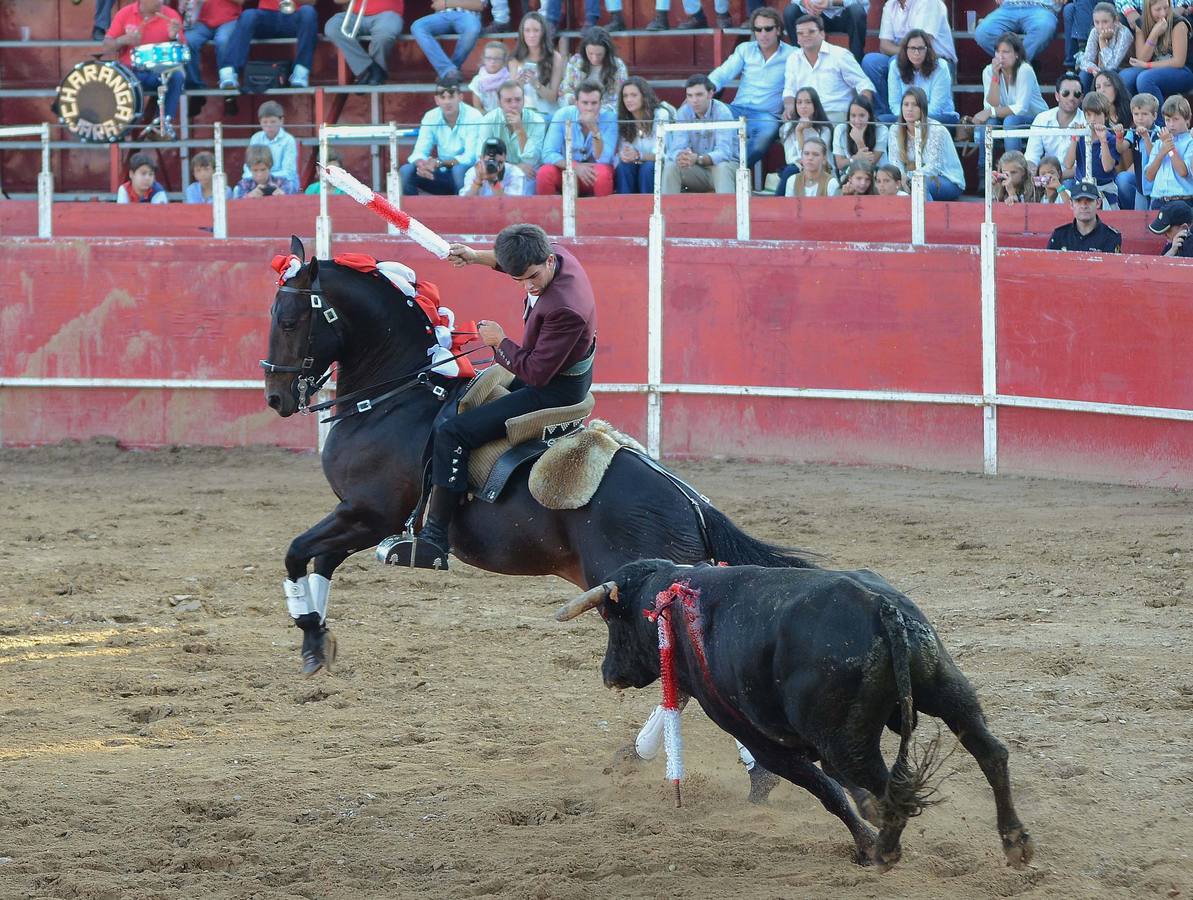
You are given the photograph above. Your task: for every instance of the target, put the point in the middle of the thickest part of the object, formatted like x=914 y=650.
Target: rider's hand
x=490 y=332
x=460 y=255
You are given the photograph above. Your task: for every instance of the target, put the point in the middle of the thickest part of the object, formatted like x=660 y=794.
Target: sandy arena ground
x=156 y=741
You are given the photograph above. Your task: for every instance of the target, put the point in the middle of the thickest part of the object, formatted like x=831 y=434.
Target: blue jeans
x=462 y=22
x=634 y=178
x=1129 y=195
x=173 y=89
x=876 y=66
x=592 y=10
x=1037 y=24
x=103 y=14
x=785 y=174
x=446 y=182
x=937 y=187
x=1079 y=21
x=264 y=24
x=196 y=38
x=979 y=135
x=762 y=127
x=1160 y=83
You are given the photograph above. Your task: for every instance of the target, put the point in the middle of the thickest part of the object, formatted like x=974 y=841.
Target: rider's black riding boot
x=429 y=548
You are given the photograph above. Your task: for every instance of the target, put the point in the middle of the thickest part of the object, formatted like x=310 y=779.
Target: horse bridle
x=307 y=384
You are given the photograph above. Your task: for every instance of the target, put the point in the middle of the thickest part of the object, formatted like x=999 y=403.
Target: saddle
x=526 y=438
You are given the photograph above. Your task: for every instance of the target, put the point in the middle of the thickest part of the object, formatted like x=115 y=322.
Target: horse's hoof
x=318 y=653
x=762 y=782
x=869 y=808
x=1019 y=848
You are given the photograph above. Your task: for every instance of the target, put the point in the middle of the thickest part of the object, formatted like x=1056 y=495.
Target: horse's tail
x=729 y=544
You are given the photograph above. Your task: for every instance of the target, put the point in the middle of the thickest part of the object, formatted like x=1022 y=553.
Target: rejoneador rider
x=552 y=367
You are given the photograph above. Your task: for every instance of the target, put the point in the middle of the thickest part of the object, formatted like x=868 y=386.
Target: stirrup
x=412 y=552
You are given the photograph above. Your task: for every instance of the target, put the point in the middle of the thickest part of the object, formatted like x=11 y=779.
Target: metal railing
x=45 y=178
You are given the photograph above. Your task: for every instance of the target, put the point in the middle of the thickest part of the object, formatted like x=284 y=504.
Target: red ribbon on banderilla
x=408 y=225
x=672 y=735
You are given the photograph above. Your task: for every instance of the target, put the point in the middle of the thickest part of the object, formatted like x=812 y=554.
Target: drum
x=99 y=101
x=159 y=58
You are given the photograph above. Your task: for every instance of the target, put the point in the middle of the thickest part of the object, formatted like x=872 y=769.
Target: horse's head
x=302 y=340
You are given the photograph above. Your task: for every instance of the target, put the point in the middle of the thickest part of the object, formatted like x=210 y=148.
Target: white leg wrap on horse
x=746 y=756
x=296 y=597
x=318 y=587
x=650 y=738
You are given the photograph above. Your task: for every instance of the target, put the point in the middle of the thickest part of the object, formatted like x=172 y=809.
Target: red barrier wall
x=830 y=315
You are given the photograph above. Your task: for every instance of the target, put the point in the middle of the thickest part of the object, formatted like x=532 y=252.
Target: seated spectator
x=859 y=137
x=695 y=15
x=148 y=22
x=216 y=24
x=639 y=114
x=1049 y=184
x=492 y=176
x=1011 y=94
x=282 y=146
x=700 y=162
x=1111 y=86
x=834 y=74
x=811 y=121
x=536 y=65
x=761 y=65
x=267 y=22
x=142 y=185
x=1104 y=152
x=900 y=18
x=1067 y=114
x=917 y=65
x=944 y=178
x=815 y=178
x=492 y=75
x=1134 y=147
x=1159 y=64
x=333 y=159
x=446 y=147
x=848 y=18
x=261 y=181
x=519 y=127
x=1087 y=232
x=1173 y=221
x=858 y=179
x=553 y=10
x=381 y=25
x=1172 y=155
x=888 y=181
x=1013 y=182
x=1035 y=19
x=596 y=61
x=594 y=145
x=1106 y=48
x=462 y=18
x=202 y=171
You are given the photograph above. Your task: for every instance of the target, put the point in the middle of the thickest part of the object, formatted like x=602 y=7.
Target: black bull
x=803 y=665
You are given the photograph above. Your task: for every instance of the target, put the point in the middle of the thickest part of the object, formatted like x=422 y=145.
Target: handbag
x=265 y=75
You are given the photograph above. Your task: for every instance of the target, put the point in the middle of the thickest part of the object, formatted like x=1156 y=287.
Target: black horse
x=374 y=460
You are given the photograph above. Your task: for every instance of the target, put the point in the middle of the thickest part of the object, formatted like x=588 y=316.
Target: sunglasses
x=1067 y=93
x=766 y=28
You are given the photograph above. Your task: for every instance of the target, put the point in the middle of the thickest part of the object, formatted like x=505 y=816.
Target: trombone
x=352 y=19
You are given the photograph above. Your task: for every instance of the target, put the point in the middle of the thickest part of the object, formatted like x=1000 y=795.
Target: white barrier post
x=45 y=188
x=989 y=318
x=743 y=184
x=393 y=183
x=219 y=188
x=654 y=305
x=322 y=221
x=569 y=185
x=918 y=196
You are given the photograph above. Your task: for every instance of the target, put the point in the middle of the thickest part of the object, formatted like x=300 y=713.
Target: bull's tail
x=908 y=790
x=729 y=544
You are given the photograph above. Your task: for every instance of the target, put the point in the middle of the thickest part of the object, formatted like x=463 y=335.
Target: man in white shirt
x=1067 y=114
x=898 y=18
x=492 y=176
x=847 y=17
x=446 y=145
x=834 y=74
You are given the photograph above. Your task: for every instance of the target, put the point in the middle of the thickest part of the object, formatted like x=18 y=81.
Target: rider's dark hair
x=518 y=247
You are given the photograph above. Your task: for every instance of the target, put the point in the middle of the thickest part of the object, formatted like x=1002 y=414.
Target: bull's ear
x=296 y=248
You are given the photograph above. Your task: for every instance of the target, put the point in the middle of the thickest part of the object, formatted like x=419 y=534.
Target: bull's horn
x=590 y=599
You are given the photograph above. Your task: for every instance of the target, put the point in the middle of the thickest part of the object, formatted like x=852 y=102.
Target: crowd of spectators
x=848 y=122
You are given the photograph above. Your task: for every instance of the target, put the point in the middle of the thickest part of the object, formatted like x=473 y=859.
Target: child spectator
x=283 y=149
x=810 y=121
x=1105 y=152
x=261 y=181
x=815 y=178
x=639 y=114
x=1159 y=64
x=1111 y=86
x=333 y=159
x=1107 y=47
x=888 y=181
x=859 y=135
x=1134 y=147
x=202 y=170
x=1013 y=182
x=493 y=74
x=859 y=179
x=597 y=61
x=1049 y=185
x=537 y=65
x=1168 y=164
x=944 y=179
x=142 y=186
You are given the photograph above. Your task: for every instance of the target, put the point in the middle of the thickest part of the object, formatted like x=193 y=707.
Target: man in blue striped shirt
x=760 y=64
x=701 y=162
